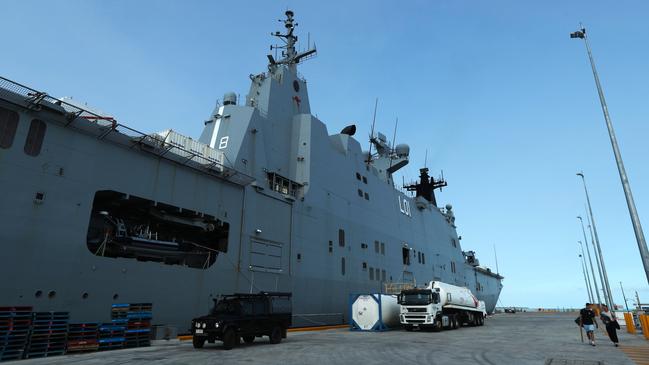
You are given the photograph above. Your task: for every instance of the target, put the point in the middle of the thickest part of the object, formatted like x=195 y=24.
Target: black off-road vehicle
x=244 y=316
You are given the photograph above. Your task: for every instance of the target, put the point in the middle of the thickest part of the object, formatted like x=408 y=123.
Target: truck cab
x=244 y=316
x=420 y=309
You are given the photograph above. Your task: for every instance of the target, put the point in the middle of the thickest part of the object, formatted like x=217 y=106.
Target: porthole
x=84 y=296
x=51 y=294
x=296 y=86
x=38 y=294
x=115 y=296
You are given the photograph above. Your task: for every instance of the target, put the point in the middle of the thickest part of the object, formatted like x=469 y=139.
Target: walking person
x=588 y=322
x=611 y=324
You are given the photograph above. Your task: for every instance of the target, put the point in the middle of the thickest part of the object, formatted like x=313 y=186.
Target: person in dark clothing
x=611 y=324
x=588 y=321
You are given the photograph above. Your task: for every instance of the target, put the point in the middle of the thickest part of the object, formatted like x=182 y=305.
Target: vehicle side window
x=35 y=137
x=259 y=307
x=8 y=126
x=247 y=308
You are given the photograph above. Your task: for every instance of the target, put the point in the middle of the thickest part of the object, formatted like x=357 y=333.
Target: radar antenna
x=290 y=56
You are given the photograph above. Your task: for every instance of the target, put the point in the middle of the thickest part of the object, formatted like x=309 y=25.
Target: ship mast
x=290 y=56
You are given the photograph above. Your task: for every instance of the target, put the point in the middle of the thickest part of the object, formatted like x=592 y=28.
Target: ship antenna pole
x=369 y=153
x=394 y=137
x=496 y=257
x=426 y=159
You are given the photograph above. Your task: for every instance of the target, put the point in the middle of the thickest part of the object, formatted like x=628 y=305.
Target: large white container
x=374 y=312
x=454 y=295
x=192 y=149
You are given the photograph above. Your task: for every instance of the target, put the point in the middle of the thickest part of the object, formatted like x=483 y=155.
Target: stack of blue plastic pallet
x=15 y=323
x=48 y=335
x=136 y=317
x=111 y=336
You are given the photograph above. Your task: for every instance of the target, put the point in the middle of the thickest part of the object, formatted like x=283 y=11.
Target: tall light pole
x=598 y=247
x=635 y=220
x=583 y=270
x=591 y=297
x=599 y=269
x=624 y=296
x=599 y=300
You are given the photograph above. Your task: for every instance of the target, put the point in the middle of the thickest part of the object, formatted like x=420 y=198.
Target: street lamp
x=598 y=247
x=583 y=270
x=635 y=220
x=599 y=269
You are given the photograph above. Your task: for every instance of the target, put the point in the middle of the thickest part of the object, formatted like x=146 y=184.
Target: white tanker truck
x=439 y=306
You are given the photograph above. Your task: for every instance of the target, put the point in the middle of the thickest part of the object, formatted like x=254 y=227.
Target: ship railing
x=148 y=142
x=396 y=288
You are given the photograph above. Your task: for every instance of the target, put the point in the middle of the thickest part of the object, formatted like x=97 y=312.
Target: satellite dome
x=449 y=207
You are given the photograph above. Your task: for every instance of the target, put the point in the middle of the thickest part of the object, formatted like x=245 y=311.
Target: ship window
x=341 y=237
x=367 y=196
x=452 y=266
x=419 y=257
x=8 y=126
x=360 y=193
x=382 y=248
x=331 y=247
x=376 y=246
x=283 y=185
x=364 y=180
x=35 y=137
x=123 y=225
x=371 y=273
x=342 y=265
x=405 y=252
x=363 y=245
x=358 y=176
x=364 y=265
x=382 y=275
x=453 y=242
x=423 y=258
x=299 y=257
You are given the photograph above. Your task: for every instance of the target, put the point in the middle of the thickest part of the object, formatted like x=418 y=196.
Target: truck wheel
x=437 y=326
x=482 y=320
x=230 y=339
x=454 y=324
x=198 y=342
x=276 y=335
x=248 y=339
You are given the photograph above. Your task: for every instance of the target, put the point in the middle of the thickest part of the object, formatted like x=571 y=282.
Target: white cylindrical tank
x=454 y=295
x=365 y=311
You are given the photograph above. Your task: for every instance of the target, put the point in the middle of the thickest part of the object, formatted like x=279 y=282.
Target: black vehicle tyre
x=437 y=326
x=248 y=339
x=455 y=322
x=230 y=339
x=198 y=342
x=276 y=335
x=482 y=320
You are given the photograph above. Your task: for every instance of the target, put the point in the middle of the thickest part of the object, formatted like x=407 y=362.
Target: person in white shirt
x=609 y=320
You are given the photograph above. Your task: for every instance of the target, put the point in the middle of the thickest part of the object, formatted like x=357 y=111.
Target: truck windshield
x=422 y=298
x=226 y=307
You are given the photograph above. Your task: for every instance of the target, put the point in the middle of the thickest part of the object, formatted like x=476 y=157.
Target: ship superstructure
x=94 y=212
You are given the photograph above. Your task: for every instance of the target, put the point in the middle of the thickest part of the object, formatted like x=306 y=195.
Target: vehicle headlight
x=197 y=325
x=216 y=325
x=204 y=324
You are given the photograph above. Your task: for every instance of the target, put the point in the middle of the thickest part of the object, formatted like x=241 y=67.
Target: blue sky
x=497 y=92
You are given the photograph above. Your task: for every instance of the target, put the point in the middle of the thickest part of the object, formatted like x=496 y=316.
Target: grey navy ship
x=94 y=212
